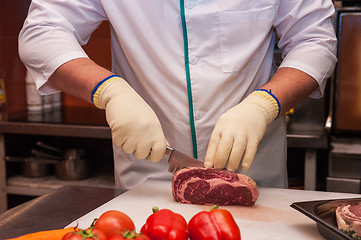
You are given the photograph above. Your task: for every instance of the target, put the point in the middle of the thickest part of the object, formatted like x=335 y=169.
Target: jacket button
x=193 y=60
x=198 y=115
x=190 y=4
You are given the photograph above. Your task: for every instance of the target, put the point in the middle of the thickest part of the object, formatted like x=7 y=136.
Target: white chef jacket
x=225 y=47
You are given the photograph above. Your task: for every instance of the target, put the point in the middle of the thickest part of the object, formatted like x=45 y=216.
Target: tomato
x=88 y=234
x=114 y=221
x=127 y=235
x=72 y=236
x=99 y=234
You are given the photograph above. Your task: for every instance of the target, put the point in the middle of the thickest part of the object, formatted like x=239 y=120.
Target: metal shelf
x=53 y=129
x=19 y=185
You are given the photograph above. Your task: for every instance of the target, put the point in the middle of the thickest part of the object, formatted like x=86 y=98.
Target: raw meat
x=210 y=186
x=349 y=219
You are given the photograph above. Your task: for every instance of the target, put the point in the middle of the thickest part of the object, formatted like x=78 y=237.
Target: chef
x=197 y=75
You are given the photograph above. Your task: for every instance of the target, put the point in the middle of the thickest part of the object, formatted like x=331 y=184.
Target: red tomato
x=88 y=234
x=127 y=235
x=72 y=236
x=99 y=234
x=114 y=221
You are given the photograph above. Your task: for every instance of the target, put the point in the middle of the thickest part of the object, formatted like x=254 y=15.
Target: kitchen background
x=324 y=135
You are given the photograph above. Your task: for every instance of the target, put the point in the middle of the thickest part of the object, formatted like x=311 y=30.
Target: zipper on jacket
x=188 y=76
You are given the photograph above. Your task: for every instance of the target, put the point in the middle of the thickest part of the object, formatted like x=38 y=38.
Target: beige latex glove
x=135 y=127
x=239 y=130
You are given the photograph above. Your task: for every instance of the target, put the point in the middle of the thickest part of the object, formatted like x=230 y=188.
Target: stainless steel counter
x=53 y=210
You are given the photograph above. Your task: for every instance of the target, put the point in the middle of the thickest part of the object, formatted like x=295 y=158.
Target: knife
x=178 y=160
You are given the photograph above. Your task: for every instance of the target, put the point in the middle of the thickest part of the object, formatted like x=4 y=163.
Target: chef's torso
x=227 y=60
x=228 y=46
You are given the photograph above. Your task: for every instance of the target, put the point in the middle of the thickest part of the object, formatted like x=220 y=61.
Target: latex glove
x=135 y=127
x=238 y=131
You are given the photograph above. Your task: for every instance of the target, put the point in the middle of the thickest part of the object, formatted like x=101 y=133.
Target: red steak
x=349 y=219
x=210 y=186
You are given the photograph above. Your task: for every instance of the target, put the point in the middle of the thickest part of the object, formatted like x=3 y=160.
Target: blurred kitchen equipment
x=68 y=164
x=347 y=84
x=36 y=169
x=33 y=167
x=72 y=169
x=50 y=148
x=33 y=98
x=3 y=101
x=66 y=154
x=344 y=120
x=40 y=154
x=72 y=166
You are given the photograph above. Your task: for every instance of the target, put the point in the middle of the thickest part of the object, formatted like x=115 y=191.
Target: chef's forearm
x=78 y=77
x=291 y=86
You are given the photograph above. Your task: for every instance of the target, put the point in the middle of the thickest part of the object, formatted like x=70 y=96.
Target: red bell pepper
x=216 y=224
x=165 y=225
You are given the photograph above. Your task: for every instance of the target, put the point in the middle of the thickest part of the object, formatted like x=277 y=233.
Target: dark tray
x=323 y=213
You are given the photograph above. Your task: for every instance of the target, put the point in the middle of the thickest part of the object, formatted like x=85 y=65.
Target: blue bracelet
x=100 y=83
x=278 y=102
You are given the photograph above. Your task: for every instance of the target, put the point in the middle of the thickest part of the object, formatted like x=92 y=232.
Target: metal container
x=33 y=167
x=344 y=165
x=72 y=169
x=70 y=164
x=344 y=185
x=36 y=169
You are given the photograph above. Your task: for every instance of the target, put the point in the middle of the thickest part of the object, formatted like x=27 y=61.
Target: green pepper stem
x=213 y=207
x=155 y=209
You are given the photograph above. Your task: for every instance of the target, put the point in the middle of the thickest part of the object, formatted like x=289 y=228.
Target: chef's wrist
x=271 y=98
x=98 y=89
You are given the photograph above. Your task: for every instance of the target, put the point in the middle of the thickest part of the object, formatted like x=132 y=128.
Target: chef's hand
x=239 y=130
x=135 y=127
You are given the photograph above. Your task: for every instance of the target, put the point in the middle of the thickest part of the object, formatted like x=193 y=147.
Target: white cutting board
x=271 y=217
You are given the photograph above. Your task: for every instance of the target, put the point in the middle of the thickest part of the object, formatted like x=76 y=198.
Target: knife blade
x=178 y=160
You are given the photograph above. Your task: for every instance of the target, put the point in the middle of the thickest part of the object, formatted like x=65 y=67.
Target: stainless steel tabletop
x=54 y=210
